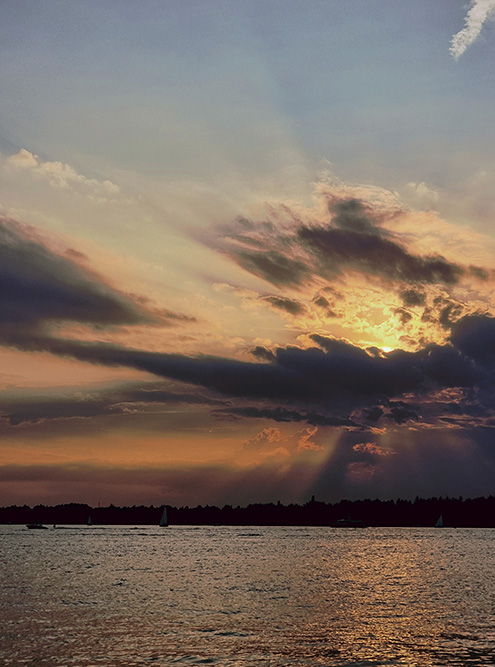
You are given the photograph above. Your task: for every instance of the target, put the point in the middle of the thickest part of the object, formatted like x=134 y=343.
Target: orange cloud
x=371 y=448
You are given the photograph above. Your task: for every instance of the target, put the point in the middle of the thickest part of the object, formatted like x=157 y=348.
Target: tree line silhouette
x=456 y=512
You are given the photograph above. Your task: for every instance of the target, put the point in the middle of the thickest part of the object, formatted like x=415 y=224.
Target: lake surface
x=245 y=597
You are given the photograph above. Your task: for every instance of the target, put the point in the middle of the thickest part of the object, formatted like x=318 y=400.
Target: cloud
x=474 y=336
x=87 y=405
x=480 y=11
x=356 y=242
x=40 y=286
x=336 y=384
x=305 y=442
x=424 y=196
x=401 y=413
x=281 y=414
x=326 y=300
x=274 y=267
x=326 y=383
x=338 y=250
x=290 y=306
x=263 y=353
x=365 y=269
x=413 y=297
x=15 y=413
x=264 y=439
x=62 y=176
x=355 y=239
x=371 y=449
x=271 y=443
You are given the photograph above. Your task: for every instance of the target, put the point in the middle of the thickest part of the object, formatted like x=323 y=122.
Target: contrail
x=479 y=12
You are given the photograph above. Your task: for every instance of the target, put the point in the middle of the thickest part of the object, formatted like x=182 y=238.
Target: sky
x=246 y=251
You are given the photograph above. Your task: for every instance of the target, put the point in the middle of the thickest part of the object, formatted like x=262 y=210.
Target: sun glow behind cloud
x=347 y=282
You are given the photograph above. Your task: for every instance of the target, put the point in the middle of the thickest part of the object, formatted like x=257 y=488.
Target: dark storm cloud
x=448 y=311
x=334 y=369
x=164 y=314
x=357 y=372
x=323 y=303
x=342 y=249
x=374 y=413
x=35 y=409
x=354 y=240
x=326 y=299
x=403 y=315
x=274 y=267
x=263 y=353
x=157 y=394
x=401 y=413
x=480 y=273
x=290 y=306
x=474 y=336
x=412 y=297
x=38 y=286
x=448 y=367
x=19 y=412
x=354 y=215
x=284 y=415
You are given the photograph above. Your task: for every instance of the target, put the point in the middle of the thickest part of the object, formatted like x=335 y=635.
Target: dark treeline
x=477 y=512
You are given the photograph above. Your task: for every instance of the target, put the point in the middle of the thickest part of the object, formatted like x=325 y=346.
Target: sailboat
x=439 y=523
x=164 y=520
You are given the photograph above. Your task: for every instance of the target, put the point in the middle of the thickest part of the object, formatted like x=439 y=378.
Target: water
x=245 y=597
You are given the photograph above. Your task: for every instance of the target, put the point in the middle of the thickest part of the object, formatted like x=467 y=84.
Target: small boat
x=164 y=520
x=439 y=523
x=348 y=523
x=36 y=526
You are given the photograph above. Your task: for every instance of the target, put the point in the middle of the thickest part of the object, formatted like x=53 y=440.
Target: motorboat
x=348 y=523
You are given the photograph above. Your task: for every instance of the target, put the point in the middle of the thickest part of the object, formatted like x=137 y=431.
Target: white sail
x=164 y=520
x=439 y=523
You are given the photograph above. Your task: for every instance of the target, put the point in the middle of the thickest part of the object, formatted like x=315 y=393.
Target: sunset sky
x=246 y=250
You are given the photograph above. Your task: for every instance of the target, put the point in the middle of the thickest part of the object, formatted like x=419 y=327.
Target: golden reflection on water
x=398 y=601
x=305 y=597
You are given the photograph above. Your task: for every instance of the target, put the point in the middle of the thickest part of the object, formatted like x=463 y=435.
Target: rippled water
x=237 y=596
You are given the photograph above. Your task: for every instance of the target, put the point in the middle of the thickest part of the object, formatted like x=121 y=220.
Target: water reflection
x=237 y=596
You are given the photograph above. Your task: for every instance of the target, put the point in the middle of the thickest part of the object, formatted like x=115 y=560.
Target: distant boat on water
x=36 y=526
x=439 y=523
x=164 y=520
x=348 y=523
